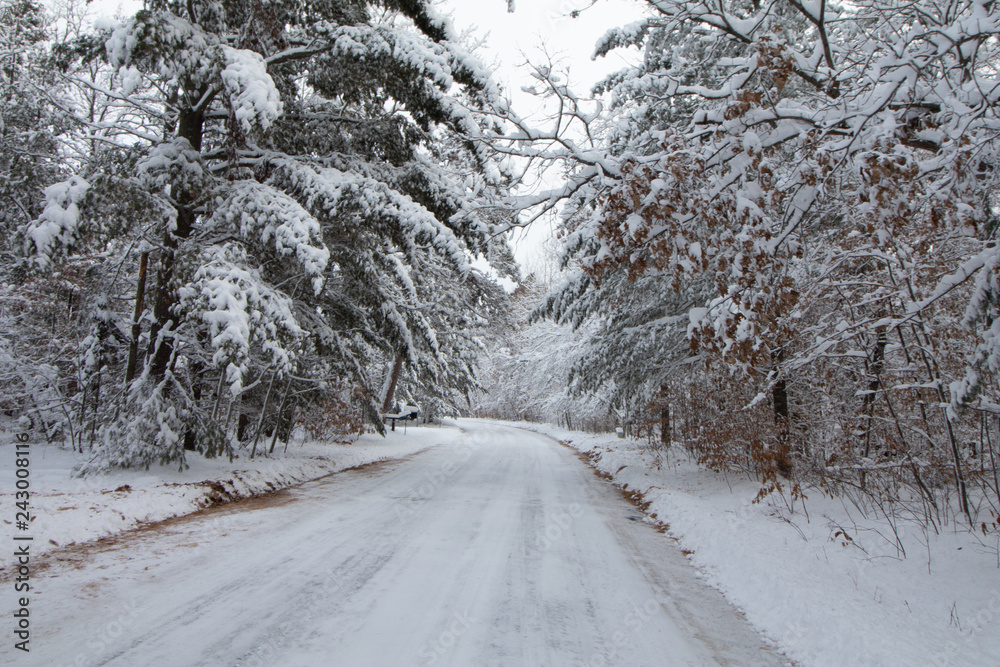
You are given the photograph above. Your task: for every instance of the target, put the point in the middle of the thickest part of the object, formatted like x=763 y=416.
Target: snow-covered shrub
x=153 y=426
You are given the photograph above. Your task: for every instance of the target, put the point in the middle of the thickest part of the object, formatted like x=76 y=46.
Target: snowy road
x=503 y=550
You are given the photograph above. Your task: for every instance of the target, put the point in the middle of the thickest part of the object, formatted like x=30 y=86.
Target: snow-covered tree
x=527 y=371
x=807 y=190
x=307 y=185
x=37 y=323
x=28 y=126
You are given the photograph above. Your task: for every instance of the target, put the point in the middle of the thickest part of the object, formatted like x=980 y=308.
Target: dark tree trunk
x=397 y=368
x=782 y=419
x=780 y=395
x=283 y=419
x=665 y=425
x=140 y=298
x=242 y=422
x=875 y=373
x=197 y=389
x=190 y=126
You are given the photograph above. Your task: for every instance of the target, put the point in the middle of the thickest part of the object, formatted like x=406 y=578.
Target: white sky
x=543 y=28
x=539 y=30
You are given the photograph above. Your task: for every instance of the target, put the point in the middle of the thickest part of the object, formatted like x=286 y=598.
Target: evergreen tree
x=37 y=329
x=308 y=182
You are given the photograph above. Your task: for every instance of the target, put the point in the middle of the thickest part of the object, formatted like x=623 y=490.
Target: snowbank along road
x=502 y=550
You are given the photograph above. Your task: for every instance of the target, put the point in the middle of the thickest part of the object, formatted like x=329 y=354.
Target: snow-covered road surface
x=502 y=550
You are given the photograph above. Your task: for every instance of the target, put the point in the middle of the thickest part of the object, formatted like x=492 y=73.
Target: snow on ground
x=69 y=510
x=823 y=599
x=498 y=549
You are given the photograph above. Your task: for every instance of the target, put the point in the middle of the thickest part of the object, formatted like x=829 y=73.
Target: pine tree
x=308 y=181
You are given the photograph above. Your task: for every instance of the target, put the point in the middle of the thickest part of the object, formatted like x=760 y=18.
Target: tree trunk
x=665 y=425
x=291 y=425
x=190 y=126
x=197 y=372
x=397 y=368
x=281 y=418
x=140 y=298
x=242 y=422
x=263 y=414
x=875 y=372
x=779 y=395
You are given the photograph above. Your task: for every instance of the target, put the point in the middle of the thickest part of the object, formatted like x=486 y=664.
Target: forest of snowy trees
x=221 y=218
x=778 y=235
x=781 y=245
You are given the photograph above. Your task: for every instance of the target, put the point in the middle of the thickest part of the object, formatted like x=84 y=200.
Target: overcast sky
x=537 y=28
